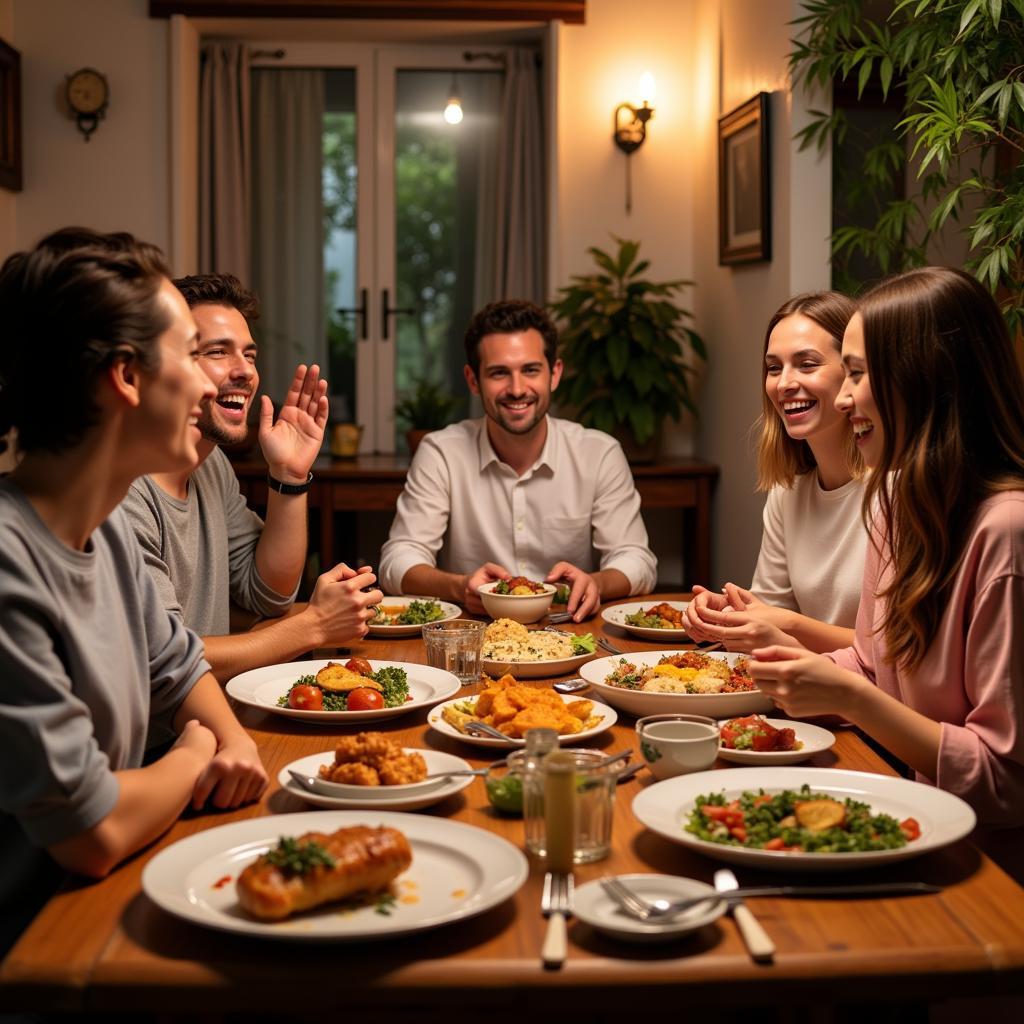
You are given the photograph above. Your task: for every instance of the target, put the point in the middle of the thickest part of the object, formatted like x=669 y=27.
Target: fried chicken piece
x=401 y=770
x=351 y=773
x=581 y=709
x=338 y=679
x=368 y=747
x=667 y=612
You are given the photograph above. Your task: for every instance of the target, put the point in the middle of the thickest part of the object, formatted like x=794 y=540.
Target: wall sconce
x=630 y=127
x=453 y=108
x=631 y=122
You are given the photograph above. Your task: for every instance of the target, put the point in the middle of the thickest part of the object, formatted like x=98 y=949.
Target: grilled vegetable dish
x=353 y=686
x=658 y=616
x=518 y=586
x=686 y=672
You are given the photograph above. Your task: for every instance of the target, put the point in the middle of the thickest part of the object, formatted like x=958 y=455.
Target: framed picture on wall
x=744 y=193
x=10 y=117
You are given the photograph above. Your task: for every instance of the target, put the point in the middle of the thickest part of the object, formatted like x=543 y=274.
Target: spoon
x=326 y=788
x=570 y=686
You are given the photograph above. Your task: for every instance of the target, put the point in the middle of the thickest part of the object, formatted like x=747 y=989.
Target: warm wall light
x=453 y=108
x=630 y=121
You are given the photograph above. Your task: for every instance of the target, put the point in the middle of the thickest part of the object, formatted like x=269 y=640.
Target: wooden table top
x=105 y=947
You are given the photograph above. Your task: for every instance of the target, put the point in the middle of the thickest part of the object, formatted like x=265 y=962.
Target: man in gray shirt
x=205 y=547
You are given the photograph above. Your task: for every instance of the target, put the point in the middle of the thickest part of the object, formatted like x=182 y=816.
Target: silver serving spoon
x=325 y=788
x=570 y=686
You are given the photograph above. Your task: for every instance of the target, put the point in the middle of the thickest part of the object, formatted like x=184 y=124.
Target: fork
x=608 y=646
x=476 y=728
x=559 y=617
x=636 y=906
x=556 y=906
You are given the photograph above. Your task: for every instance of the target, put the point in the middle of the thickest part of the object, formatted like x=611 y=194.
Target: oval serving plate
x=640 y=703
x=261 y=687
x=616 y=616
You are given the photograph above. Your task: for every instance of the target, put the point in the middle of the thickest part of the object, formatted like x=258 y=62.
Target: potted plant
x=424 y=407
x=625 y=345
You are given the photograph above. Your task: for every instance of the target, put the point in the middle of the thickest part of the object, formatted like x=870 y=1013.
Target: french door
x=402 y=218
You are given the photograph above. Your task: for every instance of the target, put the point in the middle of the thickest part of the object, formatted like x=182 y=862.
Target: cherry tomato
x=362 y=698
x=911 y=829
x=306 y=698
x=360 y=666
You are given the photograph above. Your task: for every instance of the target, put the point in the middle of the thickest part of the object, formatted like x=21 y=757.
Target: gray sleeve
x=146 y=521
x=244 y=529
x=53 y=776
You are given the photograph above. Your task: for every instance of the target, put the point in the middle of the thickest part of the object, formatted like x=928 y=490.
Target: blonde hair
x=950 y=397
x=781 y=459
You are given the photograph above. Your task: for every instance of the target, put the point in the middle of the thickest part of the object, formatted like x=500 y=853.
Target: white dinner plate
x=616 y=616
x=813 y=738
x=457 y=871
x=449 y=611
x=944 y=818
x=261 y=687
x=410 y=797
x=640 y=703
x=602 y=711
x=593 y=906
x=535 y=669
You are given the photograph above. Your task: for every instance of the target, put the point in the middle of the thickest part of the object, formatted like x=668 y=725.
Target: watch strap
x=282 y=488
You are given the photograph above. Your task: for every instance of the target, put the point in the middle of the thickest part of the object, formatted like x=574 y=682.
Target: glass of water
x=455 y=646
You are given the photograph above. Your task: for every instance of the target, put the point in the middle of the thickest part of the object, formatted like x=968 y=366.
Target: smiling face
x=227 y=354
x=171 y=398
x=515 y=381
x=803 y=375
x=855 y=400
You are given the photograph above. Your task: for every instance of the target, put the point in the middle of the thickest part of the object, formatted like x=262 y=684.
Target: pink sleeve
x=982 y=760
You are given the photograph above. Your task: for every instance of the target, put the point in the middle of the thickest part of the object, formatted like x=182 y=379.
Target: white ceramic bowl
x=524 y=608
x=677 y=744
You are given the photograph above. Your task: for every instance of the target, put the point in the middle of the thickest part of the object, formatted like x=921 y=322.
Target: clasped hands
x=584 y=594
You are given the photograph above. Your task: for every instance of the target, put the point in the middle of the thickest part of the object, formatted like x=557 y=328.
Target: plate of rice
x=533 y=653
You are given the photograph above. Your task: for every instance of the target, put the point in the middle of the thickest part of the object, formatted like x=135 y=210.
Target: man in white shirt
x=518 y=492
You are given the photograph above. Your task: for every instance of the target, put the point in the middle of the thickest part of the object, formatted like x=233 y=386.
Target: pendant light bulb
x=453 y=109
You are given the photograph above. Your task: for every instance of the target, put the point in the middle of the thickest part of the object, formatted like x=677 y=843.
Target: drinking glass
x=592 y=802
x=455 y=646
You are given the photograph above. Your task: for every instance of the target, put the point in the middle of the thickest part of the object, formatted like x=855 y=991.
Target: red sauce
x=221 y=882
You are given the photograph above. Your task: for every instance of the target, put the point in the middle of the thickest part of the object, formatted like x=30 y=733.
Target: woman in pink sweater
x=936 y=672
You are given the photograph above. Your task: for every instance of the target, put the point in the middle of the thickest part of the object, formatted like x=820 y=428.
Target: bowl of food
x=518 y=598
x=504 y=784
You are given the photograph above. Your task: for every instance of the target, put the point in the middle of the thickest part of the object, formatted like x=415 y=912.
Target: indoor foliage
x=624 y=341
x=958 y=66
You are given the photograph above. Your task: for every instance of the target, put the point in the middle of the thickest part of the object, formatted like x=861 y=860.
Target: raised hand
x=584 y=595
x=292 y=443
x=489 y=572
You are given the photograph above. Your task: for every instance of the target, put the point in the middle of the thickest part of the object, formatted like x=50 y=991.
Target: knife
x=758 y=941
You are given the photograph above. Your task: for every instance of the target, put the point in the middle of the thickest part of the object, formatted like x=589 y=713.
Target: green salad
x=394 y=691
x=648 y=621
x=414 y=614
x=797 y=821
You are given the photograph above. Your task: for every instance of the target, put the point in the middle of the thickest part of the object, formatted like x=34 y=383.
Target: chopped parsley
x=295 y=858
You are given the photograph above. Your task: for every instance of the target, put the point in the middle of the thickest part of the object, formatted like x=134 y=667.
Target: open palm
x=292 y=443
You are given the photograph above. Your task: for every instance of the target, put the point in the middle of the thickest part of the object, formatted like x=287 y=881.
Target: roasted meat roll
x=319 y=868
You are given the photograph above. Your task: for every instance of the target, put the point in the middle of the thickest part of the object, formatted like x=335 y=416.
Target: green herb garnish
x=384 y=904
x=394 y=685
x=502 y=587
x=419 y=612
x=295 y=858
x=584 y=643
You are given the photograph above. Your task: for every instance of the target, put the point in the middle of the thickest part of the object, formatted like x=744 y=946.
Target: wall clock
x=88 y=94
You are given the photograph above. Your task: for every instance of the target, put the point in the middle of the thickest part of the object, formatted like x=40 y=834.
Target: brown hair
x=780 y=458
x=72 y=306
x=510 y=317
x=219 y=290
x=950 y=397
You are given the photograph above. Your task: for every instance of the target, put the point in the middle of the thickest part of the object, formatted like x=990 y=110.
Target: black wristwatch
x=276 y=485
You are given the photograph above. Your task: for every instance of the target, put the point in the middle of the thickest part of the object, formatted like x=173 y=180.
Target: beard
x=518 y=426
x=216 y=432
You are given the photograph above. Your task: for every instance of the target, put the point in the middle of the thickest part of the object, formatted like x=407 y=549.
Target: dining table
x=104 y=946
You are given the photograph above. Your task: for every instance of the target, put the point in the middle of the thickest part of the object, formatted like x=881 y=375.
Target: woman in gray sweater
x=98 y=375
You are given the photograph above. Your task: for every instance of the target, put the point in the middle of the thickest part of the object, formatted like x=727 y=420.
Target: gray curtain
x=519 y=254
x=224 y=159
x=288 y=223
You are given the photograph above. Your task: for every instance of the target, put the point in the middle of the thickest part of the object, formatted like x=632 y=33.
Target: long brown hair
x=950 y=396
x=780 y=458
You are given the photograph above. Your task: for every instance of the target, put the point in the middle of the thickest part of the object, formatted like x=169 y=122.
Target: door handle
x=387 y=310
x=358 y=311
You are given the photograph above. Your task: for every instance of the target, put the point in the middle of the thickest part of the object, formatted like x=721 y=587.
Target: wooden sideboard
x=372 y=483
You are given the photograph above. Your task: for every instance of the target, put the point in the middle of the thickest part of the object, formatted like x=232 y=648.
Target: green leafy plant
x=624 y=344
x=959 y=69
x=426 y=406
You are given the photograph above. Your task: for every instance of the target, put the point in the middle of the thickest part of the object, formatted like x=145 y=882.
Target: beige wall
x=119 y=179
x=742 y=47
x=7 y=199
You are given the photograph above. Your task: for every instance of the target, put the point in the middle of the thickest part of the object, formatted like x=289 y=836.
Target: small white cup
x=677 y=744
